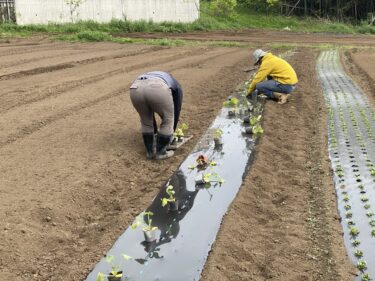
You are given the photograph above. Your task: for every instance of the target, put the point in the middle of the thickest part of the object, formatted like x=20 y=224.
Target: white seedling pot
x=150 y=235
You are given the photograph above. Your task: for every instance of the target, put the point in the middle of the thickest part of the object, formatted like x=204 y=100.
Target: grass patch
x=92 y=31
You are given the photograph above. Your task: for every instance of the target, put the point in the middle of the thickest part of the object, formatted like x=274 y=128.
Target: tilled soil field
x=74 y=173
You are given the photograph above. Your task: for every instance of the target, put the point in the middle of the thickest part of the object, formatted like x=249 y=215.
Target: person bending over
x=157 y=92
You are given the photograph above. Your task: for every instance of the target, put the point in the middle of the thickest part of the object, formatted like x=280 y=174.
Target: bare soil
x=74 y=173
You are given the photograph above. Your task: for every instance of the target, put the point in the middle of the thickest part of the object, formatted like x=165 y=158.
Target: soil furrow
x=40 y=122
x=40 y=94
x=71 y=64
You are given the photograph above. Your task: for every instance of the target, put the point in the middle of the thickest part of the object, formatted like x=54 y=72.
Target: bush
x=223 y=7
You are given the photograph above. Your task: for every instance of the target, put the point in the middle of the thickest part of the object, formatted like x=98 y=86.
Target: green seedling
x=373 y=233
x=350 y=222
x=218 y=133
x=179 y=133
x=372 y=172
x=233 y=102
x=348 y=215
x=139 y=220
x=366 y=277
x=361 y=265
x=257 y=129
x=355 y=242
x=255 y=120
x=115 y=269
x=211 y=178
x=372 y=223
x=369 y=214
x=367 y=206
x=149 y=226
x=358 y=254
x=347 y=207
x=346 y=198
x=170 y=191
x=364 y=198
x=354 y=231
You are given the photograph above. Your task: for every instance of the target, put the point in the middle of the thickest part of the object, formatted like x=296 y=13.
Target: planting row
x=351 y=126
x=171 y=239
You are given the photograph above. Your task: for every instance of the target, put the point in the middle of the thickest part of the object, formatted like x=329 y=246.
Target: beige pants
x=149 y=96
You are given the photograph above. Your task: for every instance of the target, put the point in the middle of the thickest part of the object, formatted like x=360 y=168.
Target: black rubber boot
x=148 y=139
x=162 y=142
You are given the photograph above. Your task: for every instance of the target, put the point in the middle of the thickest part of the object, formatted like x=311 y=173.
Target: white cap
x=258 y=54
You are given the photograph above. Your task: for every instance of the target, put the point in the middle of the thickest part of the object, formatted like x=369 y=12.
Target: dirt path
x=256 y=37
x=74 y=175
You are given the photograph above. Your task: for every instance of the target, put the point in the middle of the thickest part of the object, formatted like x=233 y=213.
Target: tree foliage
x=339 y=10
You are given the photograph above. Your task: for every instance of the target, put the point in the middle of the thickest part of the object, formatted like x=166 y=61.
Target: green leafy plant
x=232 y=102
x=115 y=269
x=213 y=177
x=257 y=129
x=218 y=133
x=346 y=198
x=170 y=191
x=369 y=214
x=366 y=277
x=149 y=226
x=361 y=265
x=372 y=223
x=355 y=242
x=347 y=207
x=358 y=253
x=255 y=120
x=373 y=232
x=367 y=206
x=364 y=198
x=139 y=221
x=348 y=215
x=181 y=131
x=354 y=231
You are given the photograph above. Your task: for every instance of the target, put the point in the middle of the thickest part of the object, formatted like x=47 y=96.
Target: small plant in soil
x=358 y=253
x=348 y=215
x=350 y=222
x=257 y=130
x=346 y=198
x=115 y=274
x=367 y=206
x=148 y=229
x=218 y=137
x=354 y=231
x=355 y=242
x=372 y=223
x=347 y=207
x=366 y=277
x=231 y=102
x=369 y=214
x=373 y=233
x=361 y=265
x=180 y=132
x=364 y=198
x=171 y=200
x=209 y=178
x=255 y=120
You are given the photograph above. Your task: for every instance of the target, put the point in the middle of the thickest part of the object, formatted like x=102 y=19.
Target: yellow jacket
x=277 y=68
